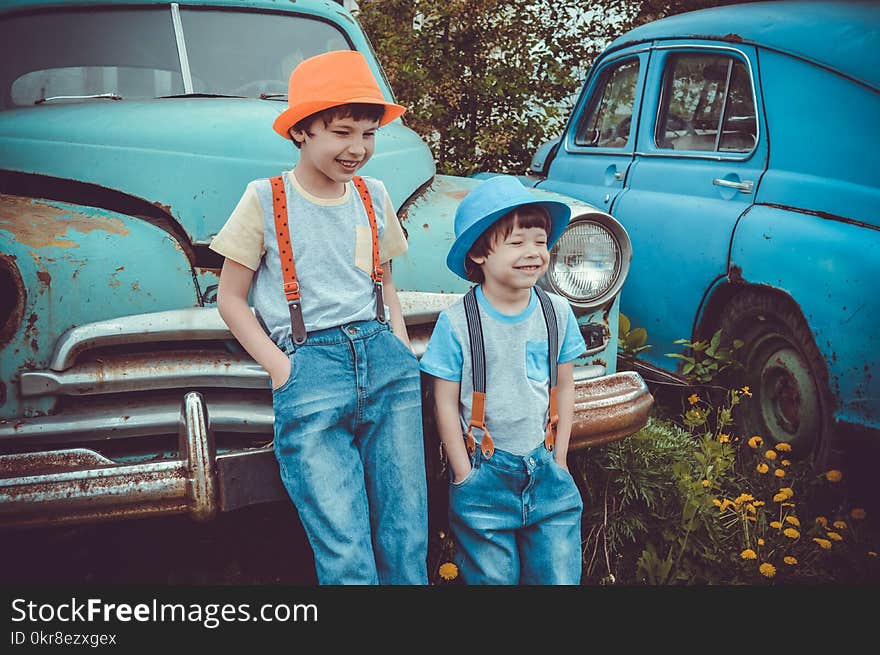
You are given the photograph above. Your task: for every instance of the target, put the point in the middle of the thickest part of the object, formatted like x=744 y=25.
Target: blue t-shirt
x=517 y=366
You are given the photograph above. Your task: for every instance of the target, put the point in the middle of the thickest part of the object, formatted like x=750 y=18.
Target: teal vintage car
x=127 y=134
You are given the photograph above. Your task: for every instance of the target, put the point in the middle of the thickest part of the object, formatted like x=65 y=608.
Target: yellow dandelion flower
x=834 y=476
x=762 y=468
x=748 y=553
x=834 y=536
x=759 y=503
x=779 y=473
x=872 y=553
x=858 y=513
x=767 y=570
x=448 y=571
x=788 y=559
x=791 y=533
x=821 y=520
x=793 y=520
x=778 y=498
x=751 y=508
x=776 y=524
x=824 y=543
x=788 y=491
x=770 y=454
x=716 y=502
x=785 y=462
x=693 y=399
x=746 y=391
x=840 y=525
x=725 y=504
x=743 y=498
x=705 y=483
x=755 y=442
x=787 y=505
x=751 y=518
x=724 y=438
x=760 y=541
x=783 y=447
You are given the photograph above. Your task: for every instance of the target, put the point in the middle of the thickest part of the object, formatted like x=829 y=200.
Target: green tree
x=487 y=81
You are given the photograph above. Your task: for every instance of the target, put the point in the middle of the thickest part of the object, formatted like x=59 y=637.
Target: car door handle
x=744 y=187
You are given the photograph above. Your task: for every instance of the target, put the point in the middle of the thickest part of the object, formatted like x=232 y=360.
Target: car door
x=698 y=160
x=599 y=143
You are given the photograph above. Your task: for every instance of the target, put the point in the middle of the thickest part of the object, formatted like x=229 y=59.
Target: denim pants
x=348 y=439
x=517 y=520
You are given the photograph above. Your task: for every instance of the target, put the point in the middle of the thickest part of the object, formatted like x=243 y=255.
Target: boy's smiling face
x=516 y=262
x=331 y=154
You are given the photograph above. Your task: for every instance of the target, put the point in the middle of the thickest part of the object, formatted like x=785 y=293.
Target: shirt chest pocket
x=537 y=361
x=363 y=248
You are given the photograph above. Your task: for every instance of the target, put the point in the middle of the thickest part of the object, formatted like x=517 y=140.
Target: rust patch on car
x=31 y=333
x=38 y=225
x=45 y=279
x=12 y=301
x=734 y=275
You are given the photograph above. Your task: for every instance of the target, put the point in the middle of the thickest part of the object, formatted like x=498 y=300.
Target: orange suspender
x=288 y=268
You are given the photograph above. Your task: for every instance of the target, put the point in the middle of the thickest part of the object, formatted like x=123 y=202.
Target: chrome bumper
x=608 y=408
x=79 y=485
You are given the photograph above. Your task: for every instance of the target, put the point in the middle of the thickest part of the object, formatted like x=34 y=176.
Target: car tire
x=785 y=373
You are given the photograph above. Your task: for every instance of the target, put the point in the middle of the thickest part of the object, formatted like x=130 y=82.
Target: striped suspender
x=285 y=254
x=478 y=373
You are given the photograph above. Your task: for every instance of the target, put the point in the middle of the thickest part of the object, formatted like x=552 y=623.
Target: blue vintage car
x=128 y=131
x=740 y=148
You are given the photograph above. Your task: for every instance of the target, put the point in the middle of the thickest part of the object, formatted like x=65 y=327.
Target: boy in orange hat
x=312 y=246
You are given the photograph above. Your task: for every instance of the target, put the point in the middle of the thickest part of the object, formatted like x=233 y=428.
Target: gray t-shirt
x=517 y=366
x=332 y=246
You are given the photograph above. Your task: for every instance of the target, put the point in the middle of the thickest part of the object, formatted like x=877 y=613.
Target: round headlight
x=589 y=262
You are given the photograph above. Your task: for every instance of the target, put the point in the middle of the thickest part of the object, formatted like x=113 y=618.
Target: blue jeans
x=348 y=439
x=517 y=520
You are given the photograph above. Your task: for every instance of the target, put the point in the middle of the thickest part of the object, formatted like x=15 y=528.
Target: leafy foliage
x=707 y=359
x=631 y=341
x=691 y=504
x=487 y=81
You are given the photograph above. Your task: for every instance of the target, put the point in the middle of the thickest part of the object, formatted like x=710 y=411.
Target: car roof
x=310 y=6
x=842 y=36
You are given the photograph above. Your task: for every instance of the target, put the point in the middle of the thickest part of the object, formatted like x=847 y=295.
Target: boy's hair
x=524 y=216
x=356 y=110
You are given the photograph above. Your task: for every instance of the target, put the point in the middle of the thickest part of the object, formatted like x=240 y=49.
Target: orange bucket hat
x=334 y=78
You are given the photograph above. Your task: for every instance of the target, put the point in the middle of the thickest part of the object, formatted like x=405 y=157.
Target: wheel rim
x=787 y=405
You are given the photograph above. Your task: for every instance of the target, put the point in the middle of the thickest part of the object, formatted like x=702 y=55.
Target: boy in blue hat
x=502 y=359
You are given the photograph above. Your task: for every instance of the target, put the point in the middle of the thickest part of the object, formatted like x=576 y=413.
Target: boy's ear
x=479 y=261
x=298 y=135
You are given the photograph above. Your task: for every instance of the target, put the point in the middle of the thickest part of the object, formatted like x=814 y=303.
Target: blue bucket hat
x=489 y=202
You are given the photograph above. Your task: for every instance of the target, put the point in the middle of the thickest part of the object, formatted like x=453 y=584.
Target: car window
x=707 y=105
x=249 y=53
x=607 y=121
x=130 y=52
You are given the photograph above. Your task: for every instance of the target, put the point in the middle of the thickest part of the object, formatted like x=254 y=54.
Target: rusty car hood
x=192 y=157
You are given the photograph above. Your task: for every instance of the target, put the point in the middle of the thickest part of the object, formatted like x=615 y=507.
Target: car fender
x=70 y=265
x=829 y=267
